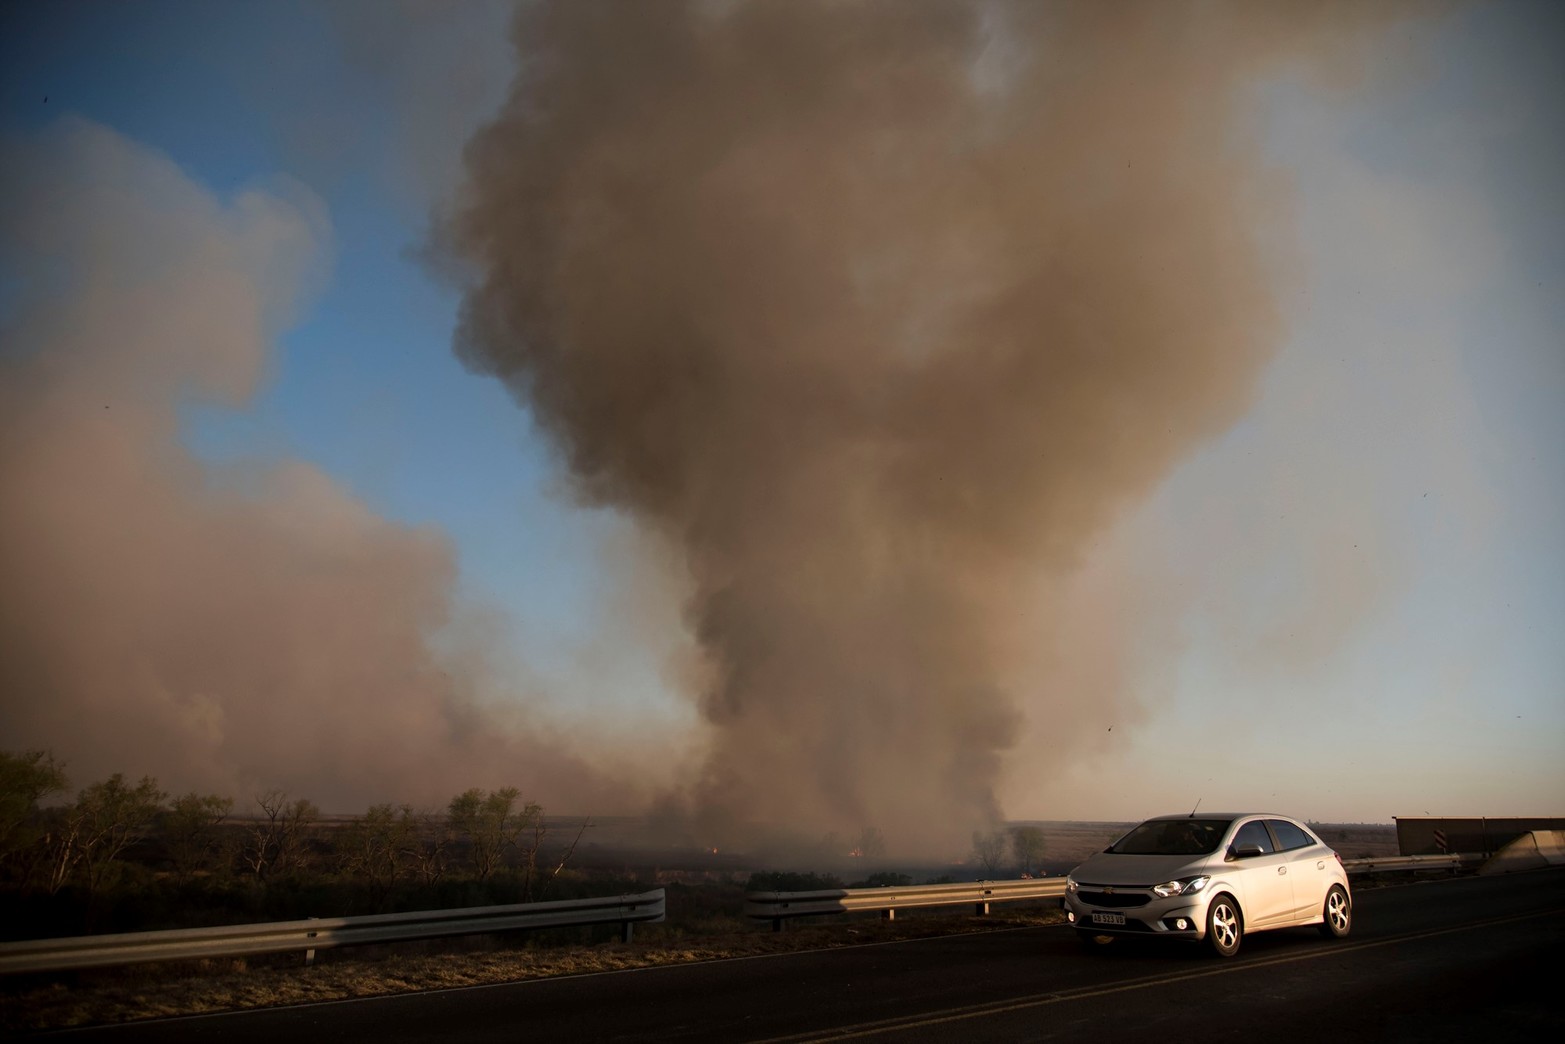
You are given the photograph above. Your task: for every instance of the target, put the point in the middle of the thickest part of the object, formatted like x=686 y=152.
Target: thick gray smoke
x=877 y=311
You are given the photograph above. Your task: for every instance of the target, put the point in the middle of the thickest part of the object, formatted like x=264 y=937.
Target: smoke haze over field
x=231 y=630
x=862 y=415
x=878 y=312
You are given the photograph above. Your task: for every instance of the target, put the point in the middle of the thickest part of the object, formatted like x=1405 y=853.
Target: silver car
x=1211 y=877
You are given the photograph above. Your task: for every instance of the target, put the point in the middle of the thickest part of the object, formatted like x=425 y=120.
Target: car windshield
x=1172 y=837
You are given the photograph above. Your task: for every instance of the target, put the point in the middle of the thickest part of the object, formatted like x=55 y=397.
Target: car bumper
x=1172 y=918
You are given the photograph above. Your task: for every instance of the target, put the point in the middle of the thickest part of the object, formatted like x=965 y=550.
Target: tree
x=190 y=832
x=277 y=841
x=492 y=826
x=377 y=847
x=1027 y=845
x=534 y=830
x=989 y=850
x=106 y=819
x=429 y=848
x=25 y=780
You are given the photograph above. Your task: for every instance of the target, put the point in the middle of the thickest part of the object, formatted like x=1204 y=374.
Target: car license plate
x=1108 y=918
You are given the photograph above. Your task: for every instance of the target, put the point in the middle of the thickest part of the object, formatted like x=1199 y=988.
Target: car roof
x=1220 y=815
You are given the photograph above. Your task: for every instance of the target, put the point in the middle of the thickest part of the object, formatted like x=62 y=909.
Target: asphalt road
x=1464 y=959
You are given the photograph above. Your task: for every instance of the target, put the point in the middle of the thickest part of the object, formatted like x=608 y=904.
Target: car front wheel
x=1224 y=928
x=1338 y=914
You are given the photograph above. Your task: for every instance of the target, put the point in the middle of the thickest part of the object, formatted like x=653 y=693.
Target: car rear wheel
x=1224 y=927
x=1338 y=914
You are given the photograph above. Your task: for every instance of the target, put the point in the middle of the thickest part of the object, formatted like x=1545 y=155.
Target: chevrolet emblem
x=1108 y=891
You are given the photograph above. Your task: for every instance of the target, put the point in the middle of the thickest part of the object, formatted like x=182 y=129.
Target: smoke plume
x=228 y=629
x=879 y=312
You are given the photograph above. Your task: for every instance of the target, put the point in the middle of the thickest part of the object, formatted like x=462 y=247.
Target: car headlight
x=1186 y=886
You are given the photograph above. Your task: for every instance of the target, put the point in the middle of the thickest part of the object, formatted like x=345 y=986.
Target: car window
x=1254 y=833
x=1289 y=836
x=1173 y=837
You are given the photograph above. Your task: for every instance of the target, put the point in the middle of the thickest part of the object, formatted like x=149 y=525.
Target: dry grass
x=194 y=987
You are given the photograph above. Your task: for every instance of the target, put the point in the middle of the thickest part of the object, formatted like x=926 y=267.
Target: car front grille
x=1114 y=900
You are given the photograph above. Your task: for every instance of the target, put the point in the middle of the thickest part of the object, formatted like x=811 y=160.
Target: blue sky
x=1351 y=605
x=365 y=385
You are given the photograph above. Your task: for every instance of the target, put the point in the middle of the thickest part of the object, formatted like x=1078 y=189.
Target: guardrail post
x=890 y=915
x=309 y=955
x=777 y=923
x=625 y=930
x=982 y=908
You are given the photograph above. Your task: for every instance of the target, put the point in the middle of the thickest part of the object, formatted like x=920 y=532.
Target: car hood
x=1112 y=868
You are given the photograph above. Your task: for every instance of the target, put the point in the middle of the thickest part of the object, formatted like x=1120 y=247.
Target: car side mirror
x=1244 y=851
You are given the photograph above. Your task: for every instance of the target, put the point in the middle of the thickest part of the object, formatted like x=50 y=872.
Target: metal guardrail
x=1389 y=864
x=91 y=951
x=778 y=906
x=244 y=940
